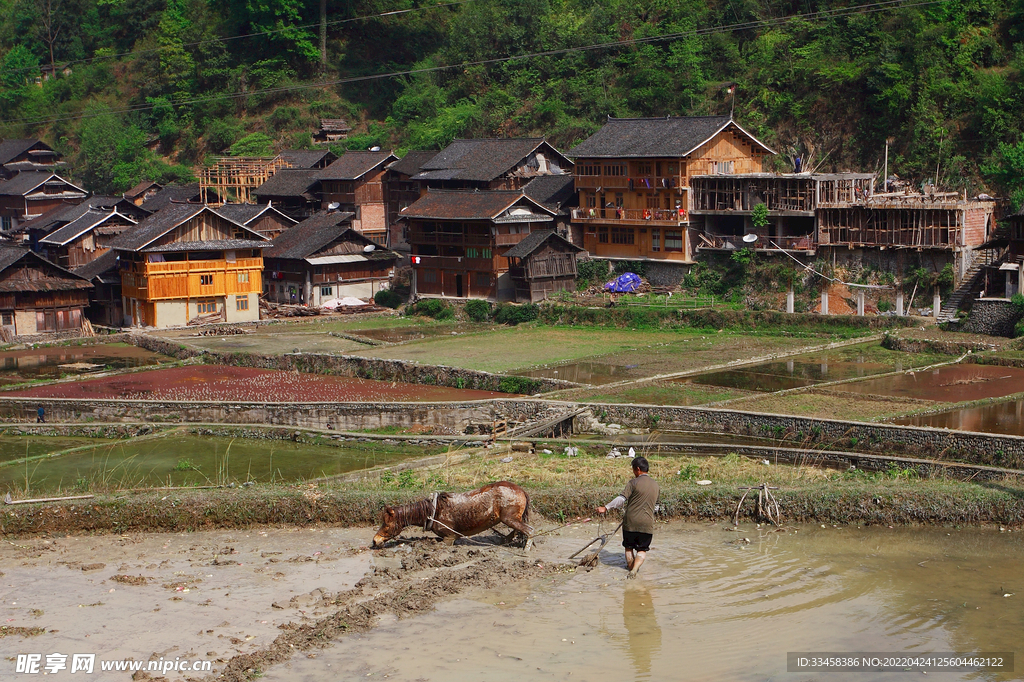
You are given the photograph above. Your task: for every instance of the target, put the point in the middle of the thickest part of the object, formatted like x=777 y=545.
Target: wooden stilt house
x=542 y=264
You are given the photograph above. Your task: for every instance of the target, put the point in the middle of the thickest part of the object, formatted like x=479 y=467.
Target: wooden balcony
x=629 y=216
x=454 y=263
x=180 y=266
x=640 y=183
x=192 y=279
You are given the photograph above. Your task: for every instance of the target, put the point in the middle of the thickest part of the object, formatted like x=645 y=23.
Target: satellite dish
x=369 y=248
x=375 y=149
x=333 y=206
x=750 y=238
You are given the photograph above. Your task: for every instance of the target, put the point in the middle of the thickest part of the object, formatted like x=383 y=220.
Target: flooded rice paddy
x=1005 y=418
x=20 y=447
x=778 y=376
x=414 y=333
x=181 y=460
x=18 y=366
x=949 y=383
x=215 y=382
x=710 y=606
x=592 y=373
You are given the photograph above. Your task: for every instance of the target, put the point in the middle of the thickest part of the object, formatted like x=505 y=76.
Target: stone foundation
x=992 y=316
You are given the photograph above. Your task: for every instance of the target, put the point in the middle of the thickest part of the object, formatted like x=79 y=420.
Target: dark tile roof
x=23 y=183
x=141 y=188
x=64 y=281
x=534 y=241
x=246 y=213
x=482 y=160
x=354 y=165
x=289 y=182
x=307 y=158
x=85 y=222
x=155 y=226
x=12 y=149
x=311 y=235
x=412 y=162
x=211 y=245
x=551 y=190
x=172 y=194
x=465 y=205
x=672 y=136
x=100 y=266
x=333 y=125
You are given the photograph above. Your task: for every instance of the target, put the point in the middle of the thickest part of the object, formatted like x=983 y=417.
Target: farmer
x=640 y=496
x=41 y=415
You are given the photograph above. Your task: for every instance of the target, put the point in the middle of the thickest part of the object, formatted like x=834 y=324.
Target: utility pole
x=885 y=173
x=323 y=37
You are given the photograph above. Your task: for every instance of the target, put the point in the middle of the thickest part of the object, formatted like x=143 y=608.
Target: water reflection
x=1006 y=418
x=795 y=373
x=643 y=631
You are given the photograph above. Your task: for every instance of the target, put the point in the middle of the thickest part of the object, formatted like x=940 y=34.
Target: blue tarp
x=625 y=283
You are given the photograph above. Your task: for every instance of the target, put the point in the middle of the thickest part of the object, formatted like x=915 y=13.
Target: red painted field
x=213 y=382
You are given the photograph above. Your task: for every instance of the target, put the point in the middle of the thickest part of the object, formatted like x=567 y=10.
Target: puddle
x=712 y=607
x=1006 y=418
x=779 y=376
x=52 y=363
x=951 y=383
x=18 y=447
x=592 y=373
x=195 y=460
x=214 y=382
x=403 y=334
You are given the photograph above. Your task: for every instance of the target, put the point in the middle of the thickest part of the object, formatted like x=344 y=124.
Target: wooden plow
x=767 y=505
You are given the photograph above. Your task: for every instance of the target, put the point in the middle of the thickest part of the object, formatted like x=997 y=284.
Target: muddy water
x=950 y=383
x=51 y=363
x=19 y=447
x=1006 y=418
x=196 y=460
x=778 y=376
x=403 y=334
x=708 y=607
x=592 y=373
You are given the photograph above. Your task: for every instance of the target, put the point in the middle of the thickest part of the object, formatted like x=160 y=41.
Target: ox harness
x=429 y=523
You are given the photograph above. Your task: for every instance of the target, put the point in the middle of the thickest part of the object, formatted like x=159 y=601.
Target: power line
x=869 y=8
x=226 y=39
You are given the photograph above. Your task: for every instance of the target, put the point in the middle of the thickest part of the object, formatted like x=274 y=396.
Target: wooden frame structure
x=233 y=179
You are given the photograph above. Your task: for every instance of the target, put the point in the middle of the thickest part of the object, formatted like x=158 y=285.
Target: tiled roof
x=289 y=182
x=334 y=125
x=97 y=267
x=671 y=136
x=311 y=235
x=88 y=220
x=463 y=205
x=12 y=149
x=210 y=245
x=307 y=158
x=141 y=188
x=246 y=213
x=65 y=281
x=484 y=160
x=551 y=190
x=534 y=241
x=171 y=194
x=23 y=183
x=354 y=165
x=162 y=222
x=412 y=162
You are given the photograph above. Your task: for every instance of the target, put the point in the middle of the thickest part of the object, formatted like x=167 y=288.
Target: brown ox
x=456 y=515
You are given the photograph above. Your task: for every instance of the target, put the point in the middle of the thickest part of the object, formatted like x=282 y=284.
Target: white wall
x=232 y=314
x=25 y=322
x=171 y=314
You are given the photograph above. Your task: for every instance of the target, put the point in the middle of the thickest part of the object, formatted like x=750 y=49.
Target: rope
x=831 y=279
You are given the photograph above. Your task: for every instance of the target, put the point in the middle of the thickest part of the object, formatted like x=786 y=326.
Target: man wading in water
x=640 y=496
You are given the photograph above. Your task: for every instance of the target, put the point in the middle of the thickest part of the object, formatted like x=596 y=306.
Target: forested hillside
x=148 y=88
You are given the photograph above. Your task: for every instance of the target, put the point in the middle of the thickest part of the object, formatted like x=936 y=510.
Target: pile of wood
x=279 y=310
x=208 y=318
x=223 y=331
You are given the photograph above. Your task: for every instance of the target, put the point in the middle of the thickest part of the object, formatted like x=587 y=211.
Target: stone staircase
x=967 y=284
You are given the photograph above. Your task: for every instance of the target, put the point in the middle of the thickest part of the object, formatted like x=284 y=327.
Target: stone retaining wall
x=363 y=368
x=992 y=316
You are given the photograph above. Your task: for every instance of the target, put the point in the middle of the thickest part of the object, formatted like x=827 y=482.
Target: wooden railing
x=655 y=215
x=168 y=267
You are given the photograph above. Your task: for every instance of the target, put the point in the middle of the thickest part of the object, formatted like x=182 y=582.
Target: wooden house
x=331 y=130
x=496 y=163
x=542 y=264
x=172 y=194
x=1001 y=259
x=557 y=192
x=307 y=158
x=63 y=214
x=37 y=296
x=17 y=156
x=265 y=219
x=633 y=178
x=401 y=191
x=459 y=240
x=355 y=184
x=292 y=191
x=85 y=238
x=186 y=263
x=324 y=258
x=142 y=191
x=105 y=301
x=30 y=194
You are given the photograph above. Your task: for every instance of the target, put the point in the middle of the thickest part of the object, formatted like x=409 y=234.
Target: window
x=8 y=319
x=619 y=201
x=241 y=302
x=614 y=170
x=280 y=288
x=589 y=169
x=485 y=253
x=326 y=291
x=591 y=200
x=206 y=280
x=206 y=306
x=643 y=168
x=722 y=167
x=481 y=279
x=243 y=278
x=602 y=235
x=623 y=235
x=472 y=252
x=673 y=240
x=653 y=201
x=429 y=276
x=655 y=240
x=5 y=222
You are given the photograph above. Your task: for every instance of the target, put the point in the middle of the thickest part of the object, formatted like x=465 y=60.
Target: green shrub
x=522 y=385
x=432 y=307
x=590 y=271
x=884 y=306
x=512 y=314
x=477 y=310
x=387 y=298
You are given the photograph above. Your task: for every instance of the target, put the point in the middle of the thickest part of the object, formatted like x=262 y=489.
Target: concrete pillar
x=1020 y=279
x=790 y=301
x=1008 y=289
x=936 y=303
x=860 y=302
x=412 y=287
x=899 y=301
x=824 y=301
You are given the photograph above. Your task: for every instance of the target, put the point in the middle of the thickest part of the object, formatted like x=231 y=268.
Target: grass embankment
x=560 y=488
x=836 y=405
x=658 y=393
